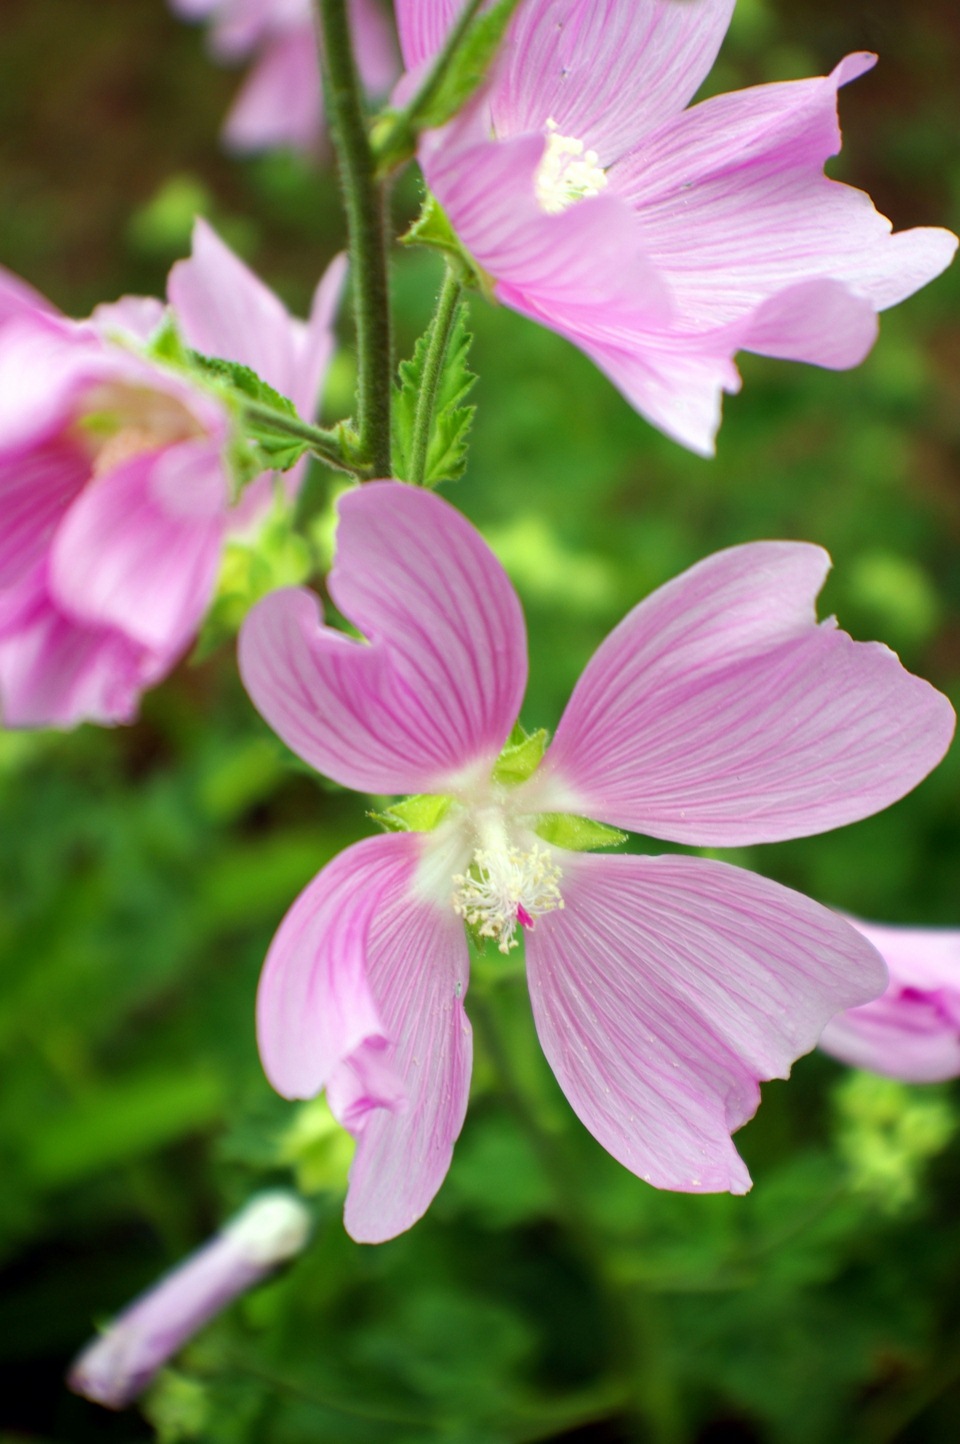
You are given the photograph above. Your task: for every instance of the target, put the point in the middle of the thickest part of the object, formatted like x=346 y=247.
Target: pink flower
x=913 y=1030
x=117 y=1366
x=661 y=240
x=281 y=102
x=718 y=713
x=115 y=492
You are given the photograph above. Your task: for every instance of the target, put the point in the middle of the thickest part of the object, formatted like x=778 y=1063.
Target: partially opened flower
x=664 y=988
x=120 y=1363
x=662 y=240
x=116 y=493
x=281 y=101
x=913 y=1030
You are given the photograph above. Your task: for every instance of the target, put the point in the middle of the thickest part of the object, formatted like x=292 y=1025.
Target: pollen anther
x=504 y=888
x=567 y=173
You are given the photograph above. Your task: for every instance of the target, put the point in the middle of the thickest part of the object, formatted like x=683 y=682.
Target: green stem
x=327 y=445
x=437 y=342
x=365 y=201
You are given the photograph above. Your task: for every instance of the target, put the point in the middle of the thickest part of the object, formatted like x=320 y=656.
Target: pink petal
x=375 y=45
x=605 y=72
x=913 y=1031
x=362 y=992
x=423 y=26
x=668 y=988
x=139 y=551
x=720 y=713
x=733 y=205
x=280 y=103
x=17 y=298
x=56 y=672
x=36 y=487
x=131 y=316
x=437 y=686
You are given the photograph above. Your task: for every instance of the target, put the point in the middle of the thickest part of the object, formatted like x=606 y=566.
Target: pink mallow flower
x=913 y=1030
x=662 y=240
x=120 y=1363
x=719 y=713
x=281 y=101
x=115 y=489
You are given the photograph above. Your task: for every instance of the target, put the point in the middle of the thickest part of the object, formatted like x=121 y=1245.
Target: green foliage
x=446 y=458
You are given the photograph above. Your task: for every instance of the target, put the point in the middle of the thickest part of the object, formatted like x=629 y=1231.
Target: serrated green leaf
x=414 y=814
x=244 y=380
x=521 y=757
x=576 y=834
x=447 y=448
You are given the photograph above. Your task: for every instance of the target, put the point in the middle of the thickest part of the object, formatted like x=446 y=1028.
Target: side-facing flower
x=281 y=101
x=116 y=491
x=117 y=1366
x=913 y=1030
x=662 y=240
x=664 y=988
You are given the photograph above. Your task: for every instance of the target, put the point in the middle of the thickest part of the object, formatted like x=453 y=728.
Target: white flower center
x=567 y=173
x=506 y=886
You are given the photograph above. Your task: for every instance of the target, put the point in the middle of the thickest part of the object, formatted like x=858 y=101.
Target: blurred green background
x=548 y=1294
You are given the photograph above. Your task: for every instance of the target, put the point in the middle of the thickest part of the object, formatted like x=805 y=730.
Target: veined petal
x=605 y=72
x=437 y=686
x=719 y=712
x=423 y=26
x=733 y=206
x=139 y=550
x=56 y=672
x=280 y=102
x=363 y=992
x=913 y=1031
x=37 y=484
x=668 y=988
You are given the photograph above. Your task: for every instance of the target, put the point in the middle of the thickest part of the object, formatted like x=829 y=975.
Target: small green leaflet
x=279 y=450
x=447 y=449
x=468 y=67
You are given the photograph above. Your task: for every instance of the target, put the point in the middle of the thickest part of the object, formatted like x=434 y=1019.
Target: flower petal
x=913 y=1031
x=281 y=102
x=668 y=988
x=438 y=685
x=37 y=485
x=720 y=713
x=606 y=73
x=17 y=298
x=362 y=992
x=140 y=549
x=56 y=672
x=733 y=206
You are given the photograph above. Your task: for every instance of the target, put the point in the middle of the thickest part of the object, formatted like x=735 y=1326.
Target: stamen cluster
x=504 y=888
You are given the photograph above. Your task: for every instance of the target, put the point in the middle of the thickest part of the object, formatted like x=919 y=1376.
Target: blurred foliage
x=548 y=1294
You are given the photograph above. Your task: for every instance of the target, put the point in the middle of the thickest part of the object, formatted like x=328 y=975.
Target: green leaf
x=521 y=757
x=245 y=380
x=447 y=449
x=414 y=814
x=576 y=834
x=267 y=447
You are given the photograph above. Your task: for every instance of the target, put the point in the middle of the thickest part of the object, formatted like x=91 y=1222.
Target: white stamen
x=567 y=173
x=506 y=887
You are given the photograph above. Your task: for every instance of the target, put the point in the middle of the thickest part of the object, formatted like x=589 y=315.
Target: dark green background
x=143 y=871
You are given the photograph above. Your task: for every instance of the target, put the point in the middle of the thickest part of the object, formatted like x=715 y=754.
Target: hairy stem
x=327 y=445
x=365 y=202
x=438 y=340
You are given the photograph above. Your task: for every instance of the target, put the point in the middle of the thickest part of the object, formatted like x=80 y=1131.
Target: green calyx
x=414 y=814
x=432 y=228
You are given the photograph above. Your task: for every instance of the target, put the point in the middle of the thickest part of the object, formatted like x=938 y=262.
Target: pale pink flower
x=913 y=1030
x=115 y=488
x=120 y=1363
x=662 y=240
x=281 y=101
x=718 y=713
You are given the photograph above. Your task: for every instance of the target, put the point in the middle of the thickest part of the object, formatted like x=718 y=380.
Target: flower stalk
x=365 y=202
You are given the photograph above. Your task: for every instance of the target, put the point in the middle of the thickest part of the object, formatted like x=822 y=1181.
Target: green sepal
x=521 y=757
x=468 y=67
x=576 y=834
x=447 y=447
x=432 y=228
x=414 y=814
x=165 y=344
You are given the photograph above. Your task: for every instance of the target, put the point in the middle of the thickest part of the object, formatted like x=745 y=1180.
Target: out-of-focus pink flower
x=115 y=492
x=913 y=1030
x=664 y=988
x=281 y=102
x=117 y=1366
x=662 y=240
